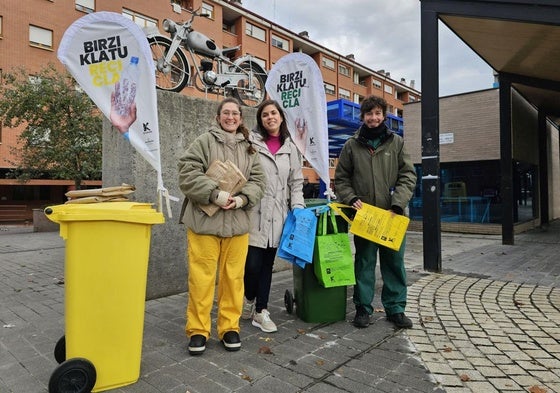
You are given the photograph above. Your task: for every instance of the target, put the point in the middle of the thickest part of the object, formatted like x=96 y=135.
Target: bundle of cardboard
x=229 y=178
x=96 y=195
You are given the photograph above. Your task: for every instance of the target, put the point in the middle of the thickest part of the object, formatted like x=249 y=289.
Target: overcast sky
x=382 y=34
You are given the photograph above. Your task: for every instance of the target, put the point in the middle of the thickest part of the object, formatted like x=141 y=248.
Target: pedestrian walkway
x=489 y=323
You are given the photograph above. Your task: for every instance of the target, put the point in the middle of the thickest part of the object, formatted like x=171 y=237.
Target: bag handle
x=323 y=223
x=337 y=207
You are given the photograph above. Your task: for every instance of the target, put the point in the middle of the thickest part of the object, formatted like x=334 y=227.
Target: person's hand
x=222 y=199
x=357 y=204
x=239 y=202
x=122 y=122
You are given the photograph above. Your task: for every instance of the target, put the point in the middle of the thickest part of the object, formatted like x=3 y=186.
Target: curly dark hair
x=371 y=102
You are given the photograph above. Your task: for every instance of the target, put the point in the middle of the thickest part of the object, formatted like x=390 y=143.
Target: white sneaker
x=262 y=320
x=248 y=309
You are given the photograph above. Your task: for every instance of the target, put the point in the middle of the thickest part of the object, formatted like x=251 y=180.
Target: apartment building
x=31 y=30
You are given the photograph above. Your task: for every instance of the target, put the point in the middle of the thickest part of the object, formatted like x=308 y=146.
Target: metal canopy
x=518 y=38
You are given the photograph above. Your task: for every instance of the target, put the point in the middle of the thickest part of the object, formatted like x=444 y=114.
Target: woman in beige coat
x=281 y=162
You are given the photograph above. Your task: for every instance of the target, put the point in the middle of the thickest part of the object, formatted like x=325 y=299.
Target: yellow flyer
x=375 y=224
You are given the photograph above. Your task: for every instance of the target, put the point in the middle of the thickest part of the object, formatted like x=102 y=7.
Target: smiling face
x=230 y=117
x=374 y=117
x=271 y=119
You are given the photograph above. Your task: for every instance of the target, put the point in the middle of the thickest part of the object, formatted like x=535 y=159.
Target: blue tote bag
x=298 y=237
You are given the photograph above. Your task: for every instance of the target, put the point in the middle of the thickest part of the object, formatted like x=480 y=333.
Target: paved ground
x=489 y=323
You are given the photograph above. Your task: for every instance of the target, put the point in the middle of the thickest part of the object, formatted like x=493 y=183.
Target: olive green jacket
x=383 y=177
x=197 y=187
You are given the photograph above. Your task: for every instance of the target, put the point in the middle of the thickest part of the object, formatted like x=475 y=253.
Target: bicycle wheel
x=172 y=76
x=251 y=89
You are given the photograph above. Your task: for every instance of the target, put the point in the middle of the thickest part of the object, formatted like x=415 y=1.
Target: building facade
x=470 y=174
x=31 y=30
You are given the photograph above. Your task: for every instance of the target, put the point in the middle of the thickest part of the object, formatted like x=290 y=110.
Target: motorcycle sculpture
x=214 y=71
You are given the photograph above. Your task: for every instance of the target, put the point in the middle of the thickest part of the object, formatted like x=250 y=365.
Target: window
x=411 y=99
x=40 y=37
x=328 y=63
x=87 y=6
x=185 y=4
x=388 y=89
x=208 y=9
x=229 y=27
x=0 y=26
x=376 y=84
x=280 y=42
x=329 y=89
x=255 y=32
x=343 y=93
x=357 y=98
x=356 y=78
x=343 y=70
x=139 y=19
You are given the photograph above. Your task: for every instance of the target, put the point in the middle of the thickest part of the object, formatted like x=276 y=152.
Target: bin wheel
x=75 y=375
x=288 y=301
x=60 y=350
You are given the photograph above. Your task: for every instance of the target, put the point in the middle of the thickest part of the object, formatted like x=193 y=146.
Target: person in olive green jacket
x=218 y=243
x=375 y=168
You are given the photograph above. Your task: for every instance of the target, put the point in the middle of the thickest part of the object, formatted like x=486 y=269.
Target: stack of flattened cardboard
x=229 y=179
x=96 y=195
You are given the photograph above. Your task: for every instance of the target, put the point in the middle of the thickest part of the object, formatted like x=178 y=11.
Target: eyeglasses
x=228 y=113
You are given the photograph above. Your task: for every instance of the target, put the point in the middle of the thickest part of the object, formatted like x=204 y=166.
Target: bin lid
x=313 y=202
x=142 y=213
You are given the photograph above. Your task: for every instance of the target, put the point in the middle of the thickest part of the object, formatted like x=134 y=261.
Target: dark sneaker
x=231 y=341
x=361 y=319
x=197 y=345
x=400 y=320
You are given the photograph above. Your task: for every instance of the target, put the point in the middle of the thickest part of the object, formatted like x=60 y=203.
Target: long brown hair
x=242 y=129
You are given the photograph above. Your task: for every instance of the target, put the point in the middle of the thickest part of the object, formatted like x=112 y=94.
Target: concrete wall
x=181 y=120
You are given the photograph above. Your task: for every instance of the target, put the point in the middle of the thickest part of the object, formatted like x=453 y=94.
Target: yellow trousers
x=210 y=255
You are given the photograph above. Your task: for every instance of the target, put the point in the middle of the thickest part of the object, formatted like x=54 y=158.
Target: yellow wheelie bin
x=105 y=273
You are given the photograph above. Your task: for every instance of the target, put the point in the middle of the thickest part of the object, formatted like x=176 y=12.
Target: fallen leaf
x=378 y=310
x=320 y=362
x=465 y=377
x=266 y=350
x=447 y=349
x=302 y=331
x=537 y=389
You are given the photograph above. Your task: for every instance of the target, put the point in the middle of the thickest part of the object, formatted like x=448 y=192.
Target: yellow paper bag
x=377 y=225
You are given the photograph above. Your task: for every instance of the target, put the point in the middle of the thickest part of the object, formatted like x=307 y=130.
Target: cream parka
x=217 y=144
x=383 y=178
x=284 y=191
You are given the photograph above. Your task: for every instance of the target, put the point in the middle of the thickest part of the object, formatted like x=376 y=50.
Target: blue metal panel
x=344 y=119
